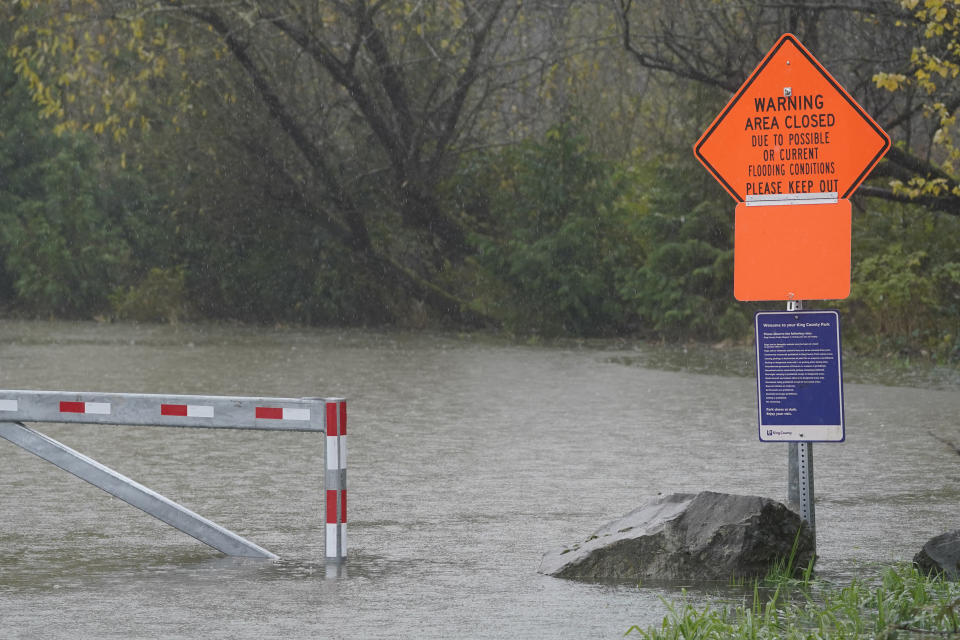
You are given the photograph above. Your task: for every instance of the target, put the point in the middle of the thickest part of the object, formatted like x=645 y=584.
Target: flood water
x=469 y=458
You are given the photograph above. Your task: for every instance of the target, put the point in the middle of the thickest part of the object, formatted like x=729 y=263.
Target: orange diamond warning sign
x=791 y=128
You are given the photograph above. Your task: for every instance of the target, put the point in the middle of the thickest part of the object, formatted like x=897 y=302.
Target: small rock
x=684 y=536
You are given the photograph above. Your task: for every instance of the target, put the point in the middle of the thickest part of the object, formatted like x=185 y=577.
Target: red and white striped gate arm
x=146 y=409
x=328 y=415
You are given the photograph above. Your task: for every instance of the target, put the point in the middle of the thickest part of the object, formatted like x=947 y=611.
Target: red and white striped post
x=335 y=479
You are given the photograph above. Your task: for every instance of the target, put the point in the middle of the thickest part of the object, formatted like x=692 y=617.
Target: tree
x=61 y=252
x=899 y=59
x=925 y=84
x=557 y=240
x=864 y=44
x=355 y=109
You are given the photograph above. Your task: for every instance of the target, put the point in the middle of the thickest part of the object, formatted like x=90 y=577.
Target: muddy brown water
x=469 y=458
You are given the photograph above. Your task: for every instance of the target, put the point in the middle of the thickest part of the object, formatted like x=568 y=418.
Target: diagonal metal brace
x=131 y=492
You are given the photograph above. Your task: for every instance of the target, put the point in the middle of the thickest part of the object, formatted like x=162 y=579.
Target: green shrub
x=905 y=293
x=60 y=250
x=574 y=244
x=62 y=253
x=160 y=297
x=903 y=603
x=684 y=288
x=557 y=237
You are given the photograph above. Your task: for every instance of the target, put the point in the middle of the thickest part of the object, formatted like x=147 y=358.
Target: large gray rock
x=686 y=536
x=941 y=555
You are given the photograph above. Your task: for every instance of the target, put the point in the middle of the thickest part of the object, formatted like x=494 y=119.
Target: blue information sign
x=799 y=376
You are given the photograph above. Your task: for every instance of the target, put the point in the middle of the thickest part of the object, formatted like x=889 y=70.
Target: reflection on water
x=469 y=458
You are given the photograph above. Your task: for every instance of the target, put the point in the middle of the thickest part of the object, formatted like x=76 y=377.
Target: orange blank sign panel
x=792 y=252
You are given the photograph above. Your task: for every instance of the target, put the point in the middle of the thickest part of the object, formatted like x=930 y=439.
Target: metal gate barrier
x=327 y=415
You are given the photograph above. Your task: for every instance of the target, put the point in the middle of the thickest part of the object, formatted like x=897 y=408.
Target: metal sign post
x=799 y=391
x=791 y=146
x=800 y=495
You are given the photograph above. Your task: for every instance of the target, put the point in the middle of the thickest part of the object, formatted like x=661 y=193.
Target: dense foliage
x=508 y=164
x=62 y=253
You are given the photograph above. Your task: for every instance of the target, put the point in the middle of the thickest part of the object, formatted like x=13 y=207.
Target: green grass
x=900 y=603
